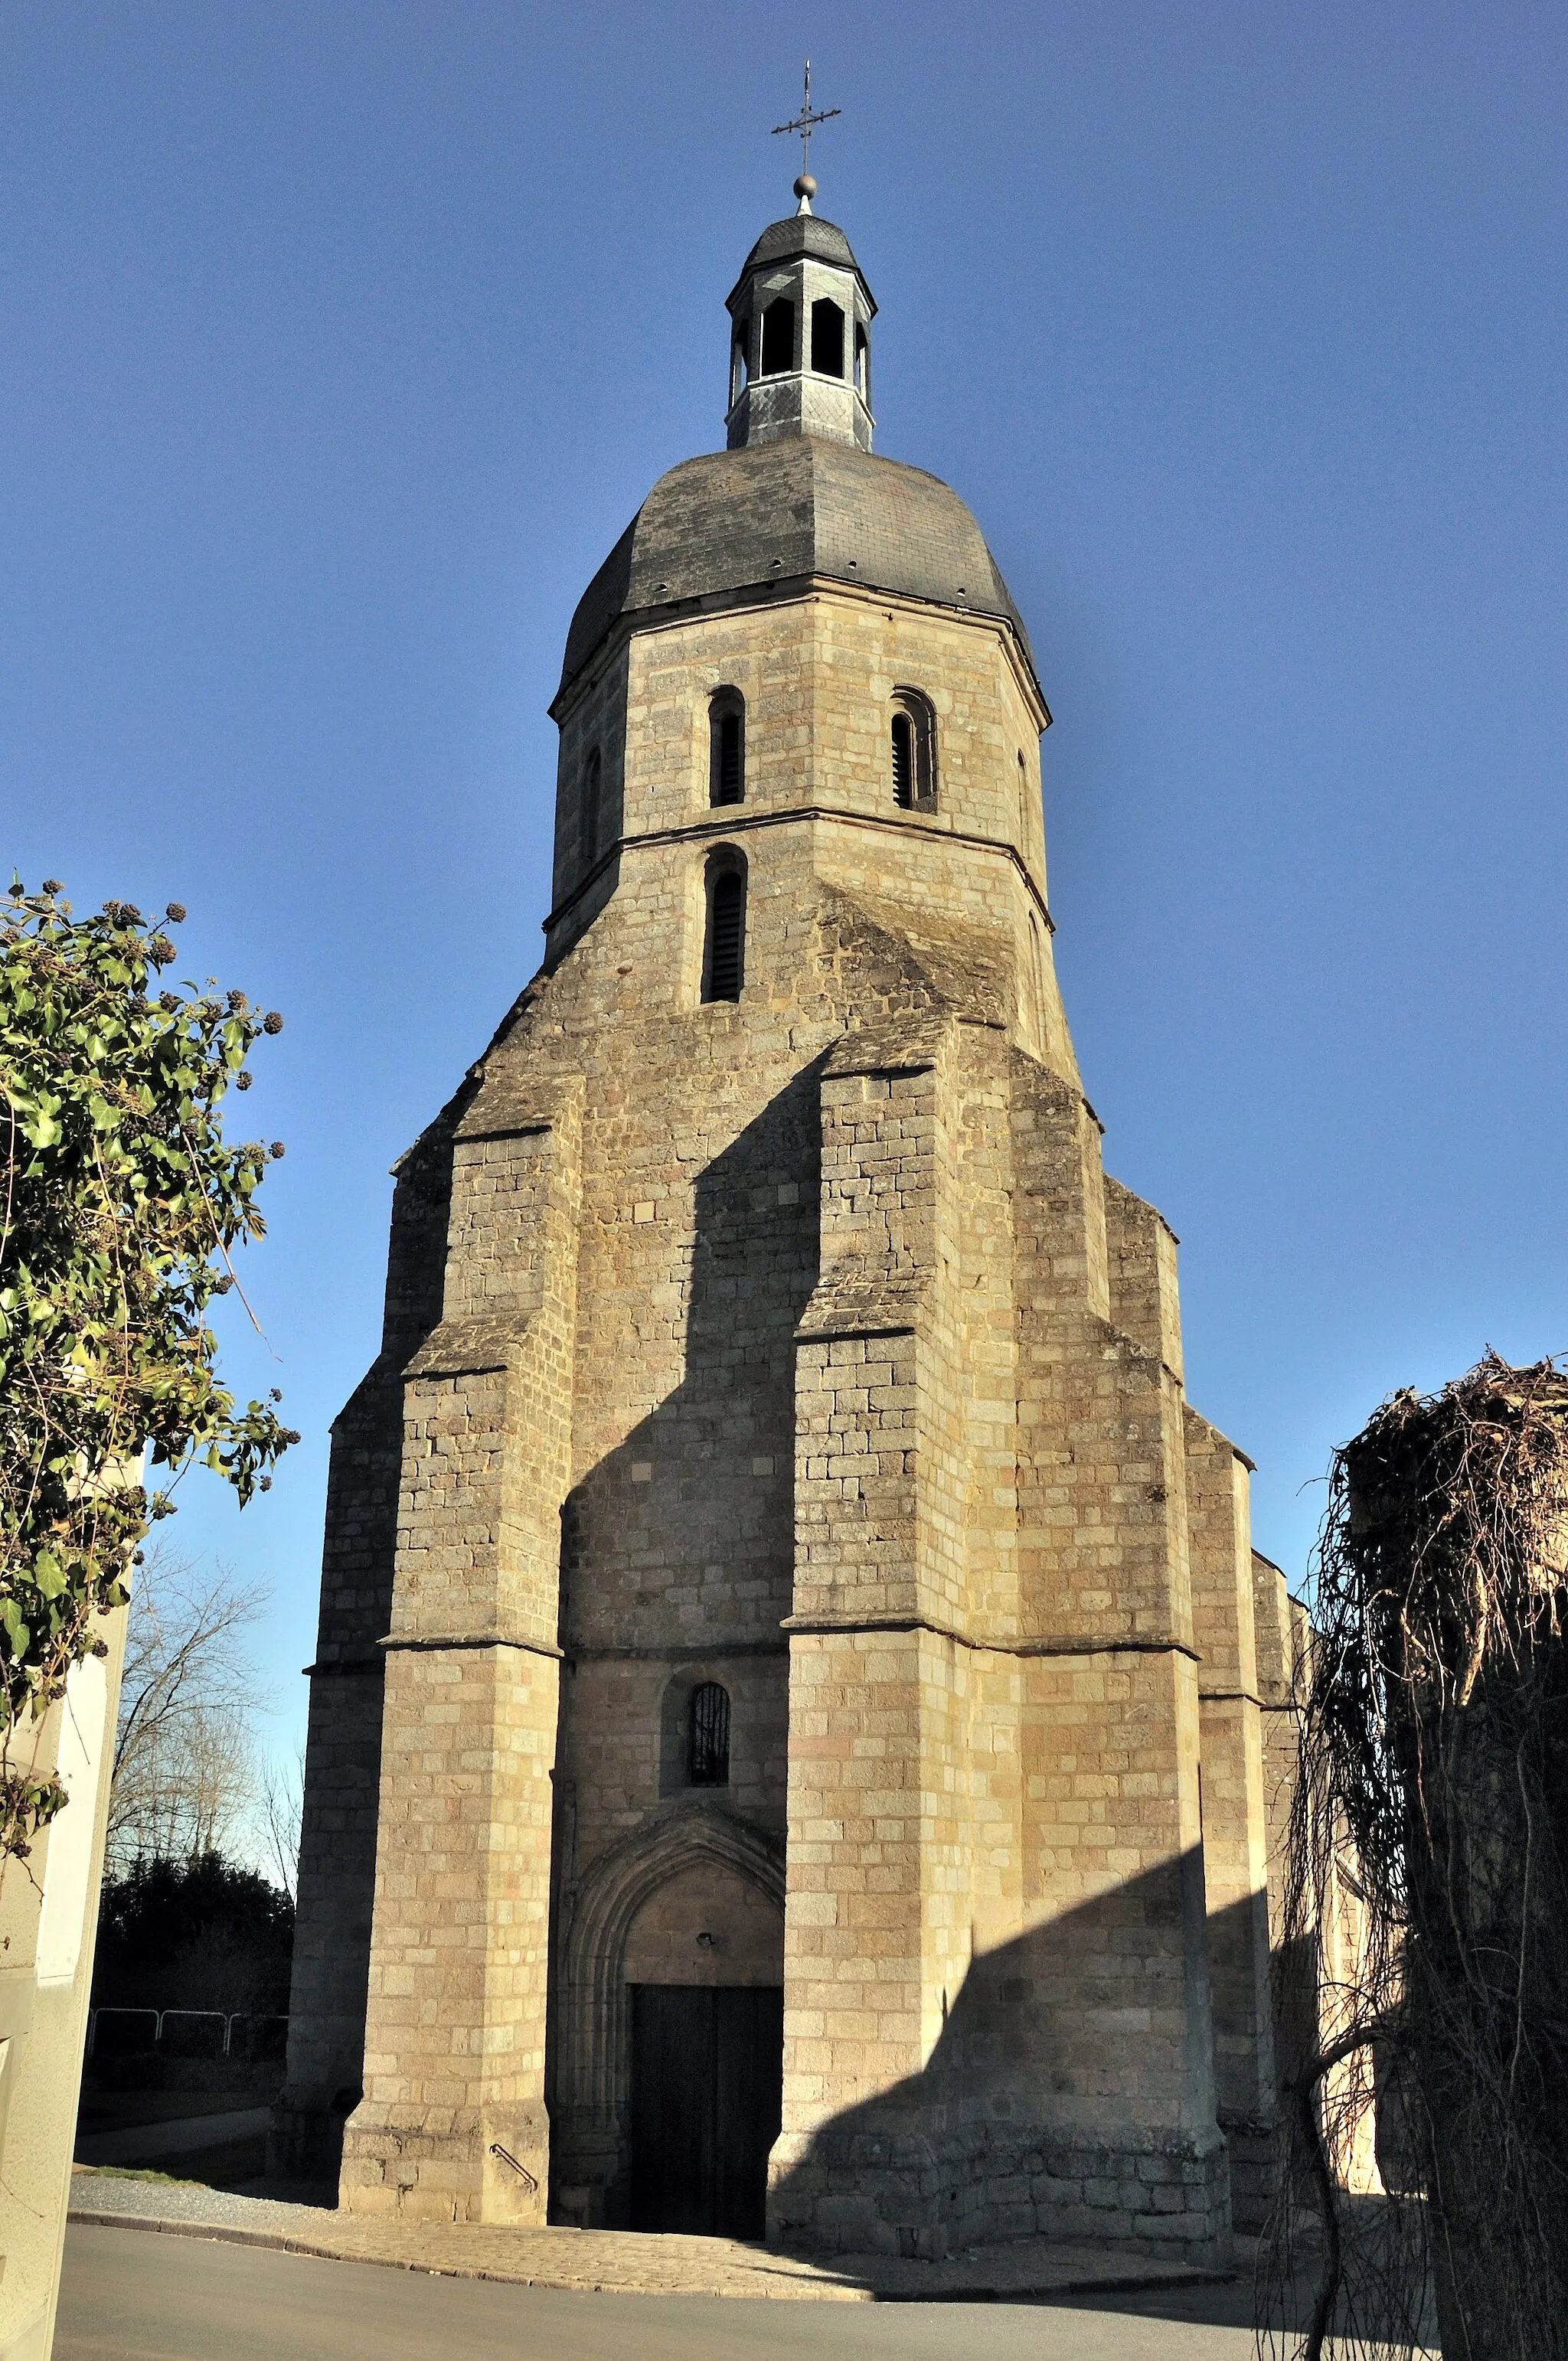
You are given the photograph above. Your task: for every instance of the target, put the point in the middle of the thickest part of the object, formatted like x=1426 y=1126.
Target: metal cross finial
x=805 y=122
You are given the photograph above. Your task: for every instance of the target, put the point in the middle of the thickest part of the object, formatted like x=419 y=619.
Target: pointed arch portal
x=679 y=2080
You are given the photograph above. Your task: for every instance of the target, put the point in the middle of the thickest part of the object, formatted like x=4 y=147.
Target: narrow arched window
x=724 y=953
x=902 y=761
x=708 y=1760
x=739 y=364
x=913 y=733
x=727 y=747
x=827 y=338
x=588 y=825
x=862 y=363
x=778 y=338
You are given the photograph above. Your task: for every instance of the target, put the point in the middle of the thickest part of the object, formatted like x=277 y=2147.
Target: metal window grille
x=710 y=1736
x=727 y=937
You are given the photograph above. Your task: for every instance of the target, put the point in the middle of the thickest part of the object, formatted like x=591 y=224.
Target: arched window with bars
x=727 y=747
x=913 y=746
x=724 y=947
x=708 y=1756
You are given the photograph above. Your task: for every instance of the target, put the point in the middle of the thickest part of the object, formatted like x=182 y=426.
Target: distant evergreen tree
x=194 y=1933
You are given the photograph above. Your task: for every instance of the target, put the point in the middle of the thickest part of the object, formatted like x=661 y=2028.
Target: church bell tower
x=800 y=355
x=777 y=1598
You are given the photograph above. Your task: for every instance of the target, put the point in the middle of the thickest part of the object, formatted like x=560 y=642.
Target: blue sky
x=341 y=341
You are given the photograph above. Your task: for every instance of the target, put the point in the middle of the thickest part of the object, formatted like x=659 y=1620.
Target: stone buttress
x=762 y=1328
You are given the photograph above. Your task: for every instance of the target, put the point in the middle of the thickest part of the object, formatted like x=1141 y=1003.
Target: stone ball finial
x=806 y=186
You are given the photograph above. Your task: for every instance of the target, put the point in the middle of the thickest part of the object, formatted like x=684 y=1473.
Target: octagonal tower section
x=800 y=355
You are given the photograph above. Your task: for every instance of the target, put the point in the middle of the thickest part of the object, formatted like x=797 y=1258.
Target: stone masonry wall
x=1235 y=1828
x=343 y=1760
x=997 y=2002
x=799 y=1344
x=453 y=2122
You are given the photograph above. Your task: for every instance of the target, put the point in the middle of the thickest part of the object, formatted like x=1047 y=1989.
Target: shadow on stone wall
x=677 y=1561
x=343 y=1762
x=1039 y=2112
x=680 y=1511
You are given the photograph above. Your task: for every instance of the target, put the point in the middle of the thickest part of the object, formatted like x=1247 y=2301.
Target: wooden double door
x=706 y=2077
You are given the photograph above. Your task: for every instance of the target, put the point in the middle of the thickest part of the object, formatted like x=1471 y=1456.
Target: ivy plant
x=121 y=1204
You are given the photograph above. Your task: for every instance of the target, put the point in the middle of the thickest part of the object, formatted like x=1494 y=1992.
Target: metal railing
x=159 y=2017
x=521 y=2170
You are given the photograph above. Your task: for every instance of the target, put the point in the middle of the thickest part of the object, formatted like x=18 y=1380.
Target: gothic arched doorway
x=637 y=1924
x=704 y=1971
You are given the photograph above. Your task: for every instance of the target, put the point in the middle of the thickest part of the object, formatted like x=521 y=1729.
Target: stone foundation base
x=1255 y=2169
x=590 y=2163
x=304 y=2139
x=432 y=2164
x=859 y=2192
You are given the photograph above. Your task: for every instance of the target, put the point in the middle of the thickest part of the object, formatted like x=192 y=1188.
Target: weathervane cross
x=805 y=122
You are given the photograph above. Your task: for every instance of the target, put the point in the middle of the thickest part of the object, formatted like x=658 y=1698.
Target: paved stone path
x=603 y=2261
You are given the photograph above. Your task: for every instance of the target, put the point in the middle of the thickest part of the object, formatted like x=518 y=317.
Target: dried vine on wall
x=1427 y=1903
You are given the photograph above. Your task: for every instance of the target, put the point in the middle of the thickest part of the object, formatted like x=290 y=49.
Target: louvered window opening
x=727 y=937
x=727 y=764
x=902 y=761
x=710 y=1736
x=914 y=743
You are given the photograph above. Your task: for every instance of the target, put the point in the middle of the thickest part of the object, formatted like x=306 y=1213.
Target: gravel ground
x=153 y=2198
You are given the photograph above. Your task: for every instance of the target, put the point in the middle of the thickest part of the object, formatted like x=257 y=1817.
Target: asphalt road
x=130 y=2296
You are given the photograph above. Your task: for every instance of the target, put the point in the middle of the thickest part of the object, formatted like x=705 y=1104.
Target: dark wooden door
x=706 y=2075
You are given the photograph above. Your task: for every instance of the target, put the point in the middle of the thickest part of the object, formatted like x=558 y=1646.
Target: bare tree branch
x=278 y=1816
x=185 y=1769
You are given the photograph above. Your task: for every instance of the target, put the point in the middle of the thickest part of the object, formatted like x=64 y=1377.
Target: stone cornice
x=733 y=820
x=828 y=1626
x=674 y=1653
x=470 y=1348
x=396 y=1643
x=797 y=590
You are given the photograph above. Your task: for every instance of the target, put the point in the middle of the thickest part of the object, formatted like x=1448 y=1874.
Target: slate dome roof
x=783 y=241
x=735 y=520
